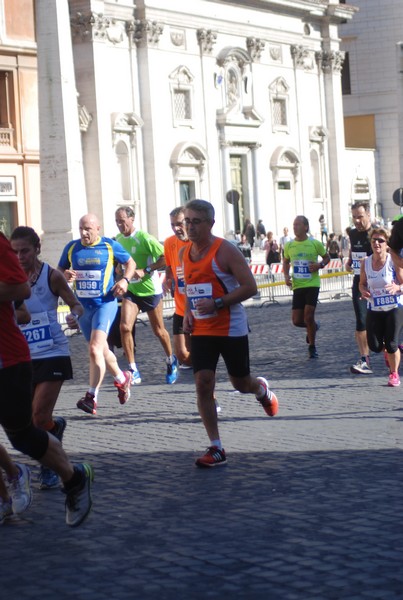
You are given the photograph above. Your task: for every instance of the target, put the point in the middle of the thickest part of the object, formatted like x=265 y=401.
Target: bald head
x=89 y=229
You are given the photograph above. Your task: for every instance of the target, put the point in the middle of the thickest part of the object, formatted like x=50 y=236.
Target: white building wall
x=119 y=72
x=371 y=39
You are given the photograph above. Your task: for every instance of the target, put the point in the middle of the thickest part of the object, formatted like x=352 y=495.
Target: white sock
x=216 y=443
x=94 y=392
x=120 y=378
x=133 y=366
x=170 y=360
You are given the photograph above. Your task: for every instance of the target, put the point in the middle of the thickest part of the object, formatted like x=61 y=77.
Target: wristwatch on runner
x=219 y=303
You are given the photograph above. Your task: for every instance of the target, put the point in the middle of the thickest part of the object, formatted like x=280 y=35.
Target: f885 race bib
x=382 y=300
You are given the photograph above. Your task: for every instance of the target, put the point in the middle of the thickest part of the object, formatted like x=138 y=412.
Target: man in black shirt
x=360 y=247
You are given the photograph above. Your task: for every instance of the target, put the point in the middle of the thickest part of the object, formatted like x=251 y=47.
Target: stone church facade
x=235 y=102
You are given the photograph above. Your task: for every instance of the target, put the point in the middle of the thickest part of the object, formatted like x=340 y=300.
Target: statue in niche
x=233 y=95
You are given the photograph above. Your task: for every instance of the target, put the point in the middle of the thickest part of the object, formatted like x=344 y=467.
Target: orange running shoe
x=214 y=457
x=269 y=400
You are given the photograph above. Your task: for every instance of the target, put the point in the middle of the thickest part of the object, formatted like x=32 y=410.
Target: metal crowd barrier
x=335 y=282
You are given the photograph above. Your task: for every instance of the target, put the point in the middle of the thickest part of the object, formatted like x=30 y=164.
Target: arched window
x=181 y=86
x=278 y=91
x=188 y=164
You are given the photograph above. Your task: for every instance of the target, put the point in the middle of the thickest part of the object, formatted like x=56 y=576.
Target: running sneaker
x=394 y=380
x=78 y=500
x=313 y=352
x=269 y=400
x=6 y=510
x=172 y=371
x=20 y=489
x=58 y=429
x=361 y=367
x=185 y=367
x=135 y=377
x=214 y=457
x=88 y=404
x=124 y=388
x=48 y=479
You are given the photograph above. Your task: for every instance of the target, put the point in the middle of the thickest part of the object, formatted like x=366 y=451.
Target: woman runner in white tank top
x=379 y=286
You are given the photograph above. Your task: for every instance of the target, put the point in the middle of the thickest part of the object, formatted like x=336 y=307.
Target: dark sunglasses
x=379 y=240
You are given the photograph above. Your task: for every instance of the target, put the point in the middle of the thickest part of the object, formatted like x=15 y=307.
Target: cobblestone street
x=309 y=506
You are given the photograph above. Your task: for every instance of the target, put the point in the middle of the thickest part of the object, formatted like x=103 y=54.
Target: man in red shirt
x=16 y=398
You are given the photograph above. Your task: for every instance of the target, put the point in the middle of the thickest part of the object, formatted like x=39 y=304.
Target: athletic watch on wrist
x=147 y=270
x=218 y=303
x=126 y=279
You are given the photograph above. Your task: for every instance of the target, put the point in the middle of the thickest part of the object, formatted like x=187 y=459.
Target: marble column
x=63 y=196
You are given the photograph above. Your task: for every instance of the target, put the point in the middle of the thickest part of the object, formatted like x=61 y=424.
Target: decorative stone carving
x=115 y=32
x=318 y=134
x=182 y=76
x=330 y=61
x=275 y=53
x=124 y=125
x=255 y=47
x=147 y=32
x=84 y=117
x=90 y=27
x=177 y=37
x=206 y=39
x=302 y=57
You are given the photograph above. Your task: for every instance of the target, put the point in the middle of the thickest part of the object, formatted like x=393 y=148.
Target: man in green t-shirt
x=302 y=253
x=144 y=291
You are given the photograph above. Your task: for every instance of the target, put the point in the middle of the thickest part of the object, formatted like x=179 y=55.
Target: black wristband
x=126 y=280
x=219 y=303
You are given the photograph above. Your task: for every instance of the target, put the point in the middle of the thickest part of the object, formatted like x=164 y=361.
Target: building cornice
x=308 y=8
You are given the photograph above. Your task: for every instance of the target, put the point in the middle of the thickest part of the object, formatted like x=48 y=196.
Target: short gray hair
x=202 y=206
x=127 y=209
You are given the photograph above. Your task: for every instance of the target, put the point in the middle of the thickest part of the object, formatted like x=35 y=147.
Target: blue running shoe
x=172 y=371
x=136 y=377
x=48 y=479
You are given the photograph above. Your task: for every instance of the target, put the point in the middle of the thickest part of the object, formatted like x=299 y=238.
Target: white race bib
x=357 y=257
x=382 y=300
x=195 y=292
x=37 y=333
x=88 y=284
x=300 y=269
x=181 y=280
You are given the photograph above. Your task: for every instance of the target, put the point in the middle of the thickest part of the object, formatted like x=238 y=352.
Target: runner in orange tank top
x=217 y=280
x=175 y=284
